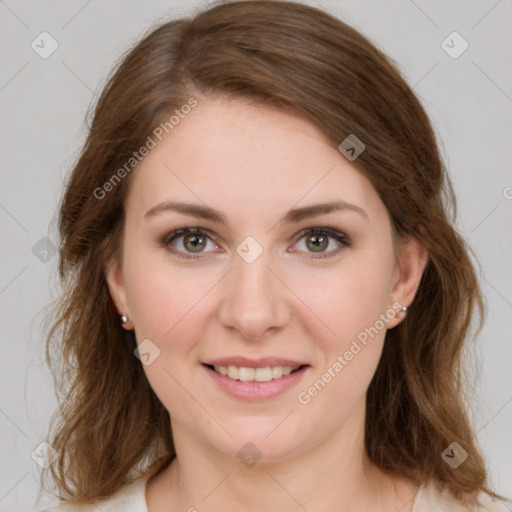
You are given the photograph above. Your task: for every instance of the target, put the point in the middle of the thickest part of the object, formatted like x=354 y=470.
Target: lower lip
x=257 y=390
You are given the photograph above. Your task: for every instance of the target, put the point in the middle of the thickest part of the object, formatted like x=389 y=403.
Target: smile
x=246 y=374
x=254 y=384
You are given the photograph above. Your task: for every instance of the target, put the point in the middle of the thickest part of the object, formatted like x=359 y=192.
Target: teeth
x=246 y=374
x=263 y=374
x=233 y=372
x=277 y=372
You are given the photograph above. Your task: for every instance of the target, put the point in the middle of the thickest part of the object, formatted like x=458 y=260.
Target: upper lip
x=254 y=363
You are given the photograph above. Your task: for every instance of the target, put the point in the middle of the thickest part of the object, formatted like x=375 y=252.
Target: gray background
x=43 y=103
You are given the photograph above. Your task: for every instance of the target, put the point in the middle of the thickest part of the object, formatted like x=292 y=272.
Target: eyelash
x=325 y=230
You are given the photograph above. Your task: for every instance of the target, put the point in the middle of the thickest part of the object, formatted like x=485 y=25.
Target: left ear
x=412 y=260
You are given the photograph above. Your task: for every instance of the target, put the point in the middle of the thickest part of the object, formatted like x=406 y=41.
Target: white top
x=132 y=498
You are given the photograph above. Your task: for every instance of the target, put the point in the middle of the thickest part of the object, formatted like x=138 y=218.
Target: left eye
x=195 y=240
x=318 y=240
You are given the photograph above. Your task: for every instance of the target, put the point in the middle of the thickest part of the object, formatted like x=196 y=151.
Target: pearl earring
x=124 y=318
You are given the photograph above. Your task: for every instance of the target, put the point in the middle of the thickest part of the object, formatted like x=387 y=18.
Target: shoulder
x=131 y=498
x=429 y=498
x=65 y=507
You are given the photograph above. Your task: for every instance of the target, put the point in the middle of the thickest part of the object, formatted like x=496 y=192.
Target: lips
x=254 y=363
x=256 y=379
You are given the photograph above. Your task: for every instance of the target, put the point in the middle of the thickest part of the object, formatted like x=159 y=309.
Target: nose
x=254 y=301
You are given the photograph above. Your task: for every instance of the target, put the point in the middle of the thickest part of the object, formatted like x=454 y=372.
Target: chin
x=263 y=440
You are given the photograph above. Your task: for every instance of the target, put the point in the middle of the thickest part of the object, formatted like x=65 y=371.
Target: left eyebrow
x=314 y=210
x=292 y=216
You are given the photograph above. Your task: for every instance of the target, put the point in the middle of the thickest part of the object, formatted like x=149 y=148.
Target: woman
x=265 y=299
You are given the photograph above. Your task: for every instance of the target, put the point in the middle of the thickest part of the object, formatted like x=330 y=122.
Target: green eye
x=318 y=240
x=195 y=240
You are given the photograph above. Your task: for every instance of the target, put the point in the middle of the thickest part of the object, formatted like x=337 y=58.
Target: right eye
x=190 y=239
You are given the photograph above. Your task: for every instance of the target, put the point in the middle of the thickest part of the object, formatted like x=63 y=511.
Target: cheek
x=350 y=299
x=352 y=308
x=351 y=304
x=162 y=296
x=168 y=301
x=169 y=311
x=154 y=302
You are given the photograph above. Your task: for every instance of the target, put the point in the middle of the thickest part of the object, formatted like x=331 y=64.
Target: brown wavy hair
x=110 y=427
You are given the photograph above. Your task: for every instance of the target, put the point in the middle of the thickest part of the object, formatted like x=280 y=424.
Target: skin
x=253 y=164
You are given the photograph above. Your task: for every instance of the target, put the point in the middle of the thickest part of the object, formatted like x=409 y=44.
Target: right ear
x=117 y=288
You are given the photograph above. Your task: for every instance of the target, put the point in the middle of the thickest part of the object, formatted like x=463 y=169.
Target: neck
x=336 y=475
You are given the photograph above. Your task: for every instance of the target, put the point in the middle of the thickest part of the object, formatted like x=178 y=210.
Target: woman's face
x=256 y=288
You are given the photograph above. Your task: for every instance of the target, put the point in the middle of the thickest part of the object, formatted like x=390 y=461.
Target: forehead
x=239 y=156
